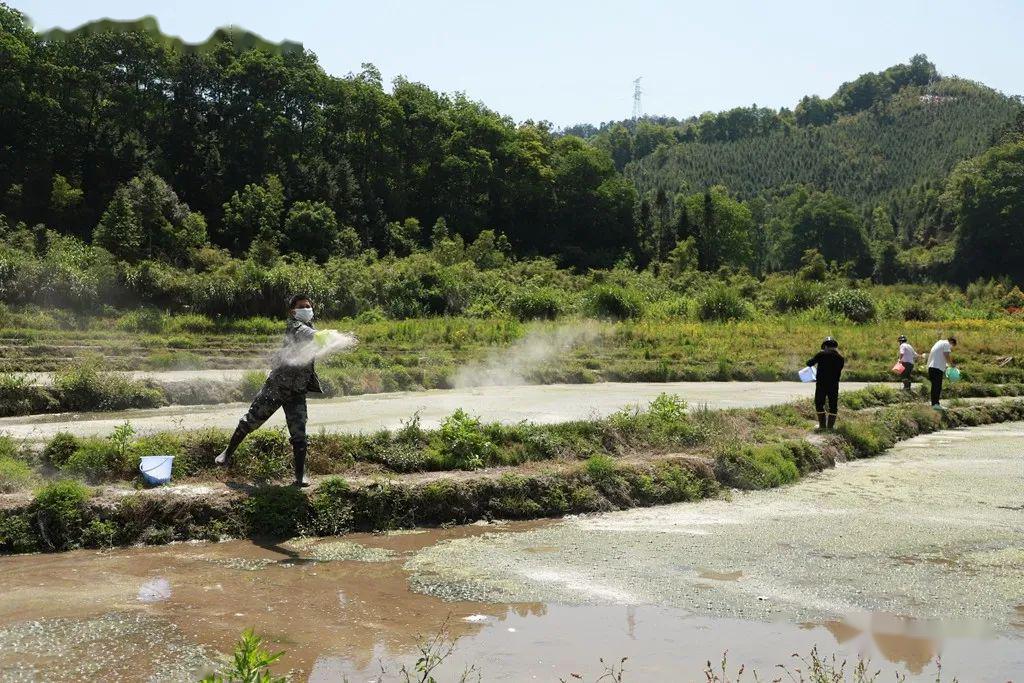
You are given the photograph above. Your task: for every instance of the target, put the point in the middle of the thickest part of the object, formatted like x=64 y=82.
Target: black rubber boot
x=831 y=420
x=236 y=439
x=821 y=421
x=300 y=465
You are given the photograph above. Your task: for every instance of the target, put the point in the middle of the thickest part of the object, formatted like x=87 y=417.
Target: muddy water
x=904 y=558
x=535 y=403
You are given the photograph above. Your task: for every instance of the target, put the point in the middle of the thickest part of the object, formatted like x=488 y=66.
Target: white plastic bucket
x=808 y=374
x=156 y=469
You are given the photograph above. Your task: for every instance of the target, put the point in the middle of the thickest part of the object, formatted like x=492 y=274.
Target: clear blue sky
x=574 y=60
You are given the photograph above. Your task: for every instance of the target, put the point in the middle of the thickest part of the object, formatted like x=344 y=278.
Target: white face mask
x=304 y=314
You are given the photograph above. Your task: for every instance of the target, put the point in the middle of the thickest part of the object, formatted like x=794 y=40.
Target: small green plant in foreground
x=251 y=663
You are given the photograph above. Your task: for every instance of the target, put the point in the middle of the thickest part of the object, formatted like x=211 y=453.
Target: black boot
x=821 y=422
x=831 y=421
x=300 y=465
x=236 y=439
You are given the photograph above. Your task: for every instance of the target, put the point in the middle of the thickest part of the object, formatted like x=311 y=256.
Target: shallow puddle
x=904 y=559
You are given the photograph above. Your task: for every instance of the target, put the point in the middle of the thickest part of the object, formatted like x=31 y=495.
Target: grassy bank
x=629 y=459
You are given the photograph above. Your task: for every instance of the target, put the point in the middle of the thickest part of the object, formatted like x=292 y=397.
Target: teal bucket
x=156 y=469
x=953 y=374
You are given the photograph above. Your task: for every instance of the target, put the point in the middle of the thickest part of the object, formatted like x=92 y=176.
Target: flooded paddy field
x=542 y=404
x=905 y=558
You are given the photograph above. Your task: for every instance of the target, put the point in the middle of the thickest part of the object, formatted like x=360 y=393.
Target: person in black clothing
x=830 y=366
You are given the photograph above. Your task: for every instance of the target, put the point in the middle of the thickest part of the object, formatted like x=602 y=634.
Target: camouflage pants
x=266 y=404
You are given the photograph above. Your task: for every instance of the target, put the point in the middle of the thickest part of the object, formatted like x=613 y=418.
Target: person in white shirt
x=907 y=356
x=940 y=358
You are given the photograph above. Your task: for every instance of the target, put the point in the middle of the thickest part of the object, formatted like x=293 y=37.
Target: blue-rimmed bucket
x=156 y=469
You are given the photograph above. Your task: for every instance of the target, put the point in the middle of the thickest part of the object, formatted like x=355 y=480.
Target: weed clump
x=14 y=475
x=276 y=511
x=758 y=467
x=83 y=386
x=462 y=443
x=61 y=513
x=60 y=449
x=20 y=395
x=331 y=508
x=265 y=455
x=97 y=459
x=17 y=534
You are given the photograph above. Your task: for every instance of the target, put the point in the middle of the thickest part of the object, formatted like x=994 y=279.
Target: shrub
x=668 y=408
x=370 y=316
x=98 y=460
x=853 y=304
x=915 y=309
x=60 y=510
x=1014 y=299
x=14 y=475
x=99 y=534
x=194 y=323
x=721 y=302
x=757 y=467
x=251 y=383
x=265 y=455
x=613 y=301
x=789 y=293
x=536 y=303
x=20 y=395
x=600 y=468
x=83 y=386
x=258 y=326
x=463 y=443
x=143 y=320
x=17 y=534
x=667 y=421
x=276 y=511
x=332 y=508
x=60 y=449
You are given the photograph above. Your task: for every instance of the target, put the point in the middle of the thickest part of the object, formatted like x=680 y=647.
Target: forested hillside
x=872 y=158
x=83 y=115
x=218 y=177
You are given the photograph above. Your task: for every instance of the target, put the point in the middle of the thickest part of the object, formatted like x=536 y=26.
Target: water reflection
x=155 y=590
x=552 y=642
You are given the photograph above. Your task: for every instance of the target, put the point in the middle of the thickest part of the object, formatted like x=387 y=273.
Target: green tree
x=488 y=250
x=808 y=219
x=64 y=197
x=403 y=238
x=986 y=195
x=311 y=229
x=722 y=227
x=145 y=219
x=814 y=111
x=253 y=213
x=119 y=230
